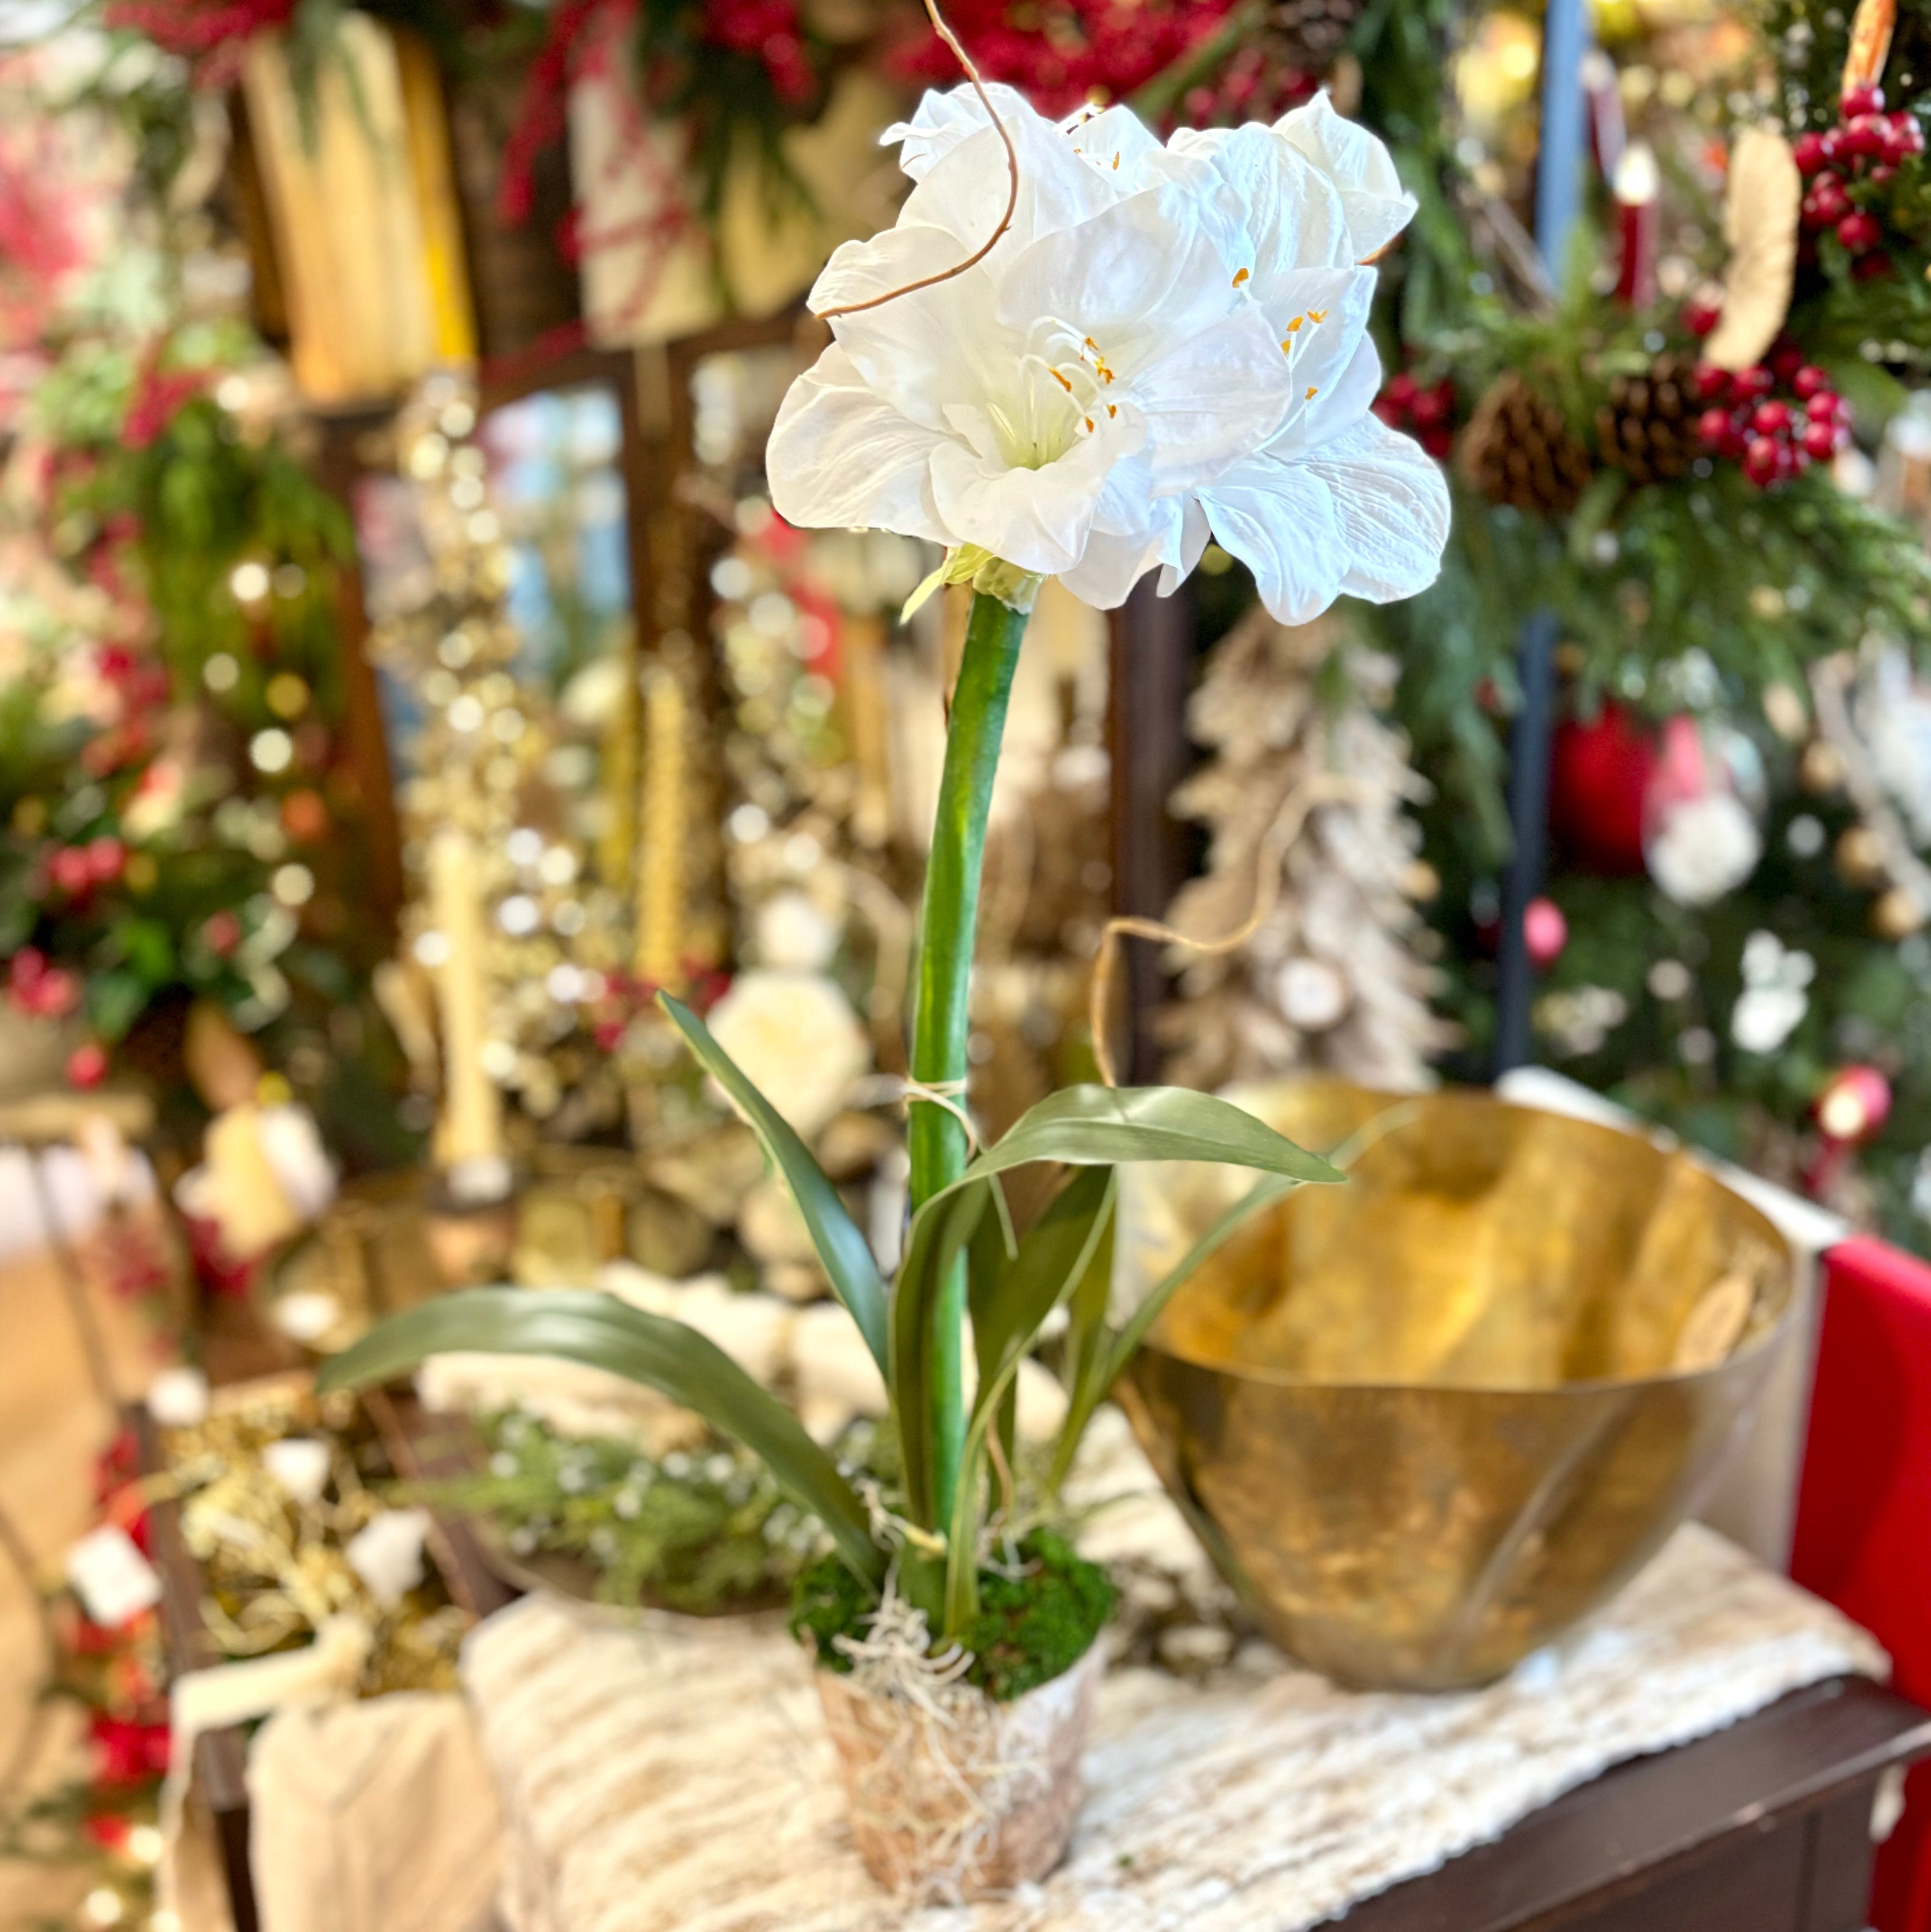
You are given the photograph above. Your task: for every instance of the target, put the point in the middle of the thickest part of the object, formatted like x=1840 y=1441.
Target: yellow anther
x=1294 y=327
x=1116 y=164
x=1317 y=315
x=1062 y=382
x=1241 y=276
x=1112 y=408
x=1089 y=421
x=1312 y=391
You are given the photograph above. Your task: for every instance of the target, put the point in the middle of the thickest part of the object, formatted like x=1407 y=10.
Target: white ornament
x=797 y=1041
x=792 y=934
x=1704 y=848
x=1313 y=994
x=178 y=1398
x=113 y=1580
x=386 y=1553
x=299 y=1465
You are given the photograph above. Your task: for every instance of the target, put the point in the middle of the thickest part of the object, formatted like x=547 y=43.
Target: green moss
x=1030 y=1629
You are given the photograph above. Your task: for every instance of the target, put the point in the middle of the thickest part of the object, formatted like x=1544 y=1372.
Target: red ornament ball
x=1599 y=770
x=1762 y=461
x=1854 y=1105
x=87 y=1065
x=1544 y=933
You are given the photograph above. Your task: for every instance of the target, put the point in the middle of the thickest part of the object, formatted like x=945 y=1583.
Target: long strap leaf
x=939 y=1235
x=585 y=1326
x=1106 y=1354
x=1071 y=1240
x=847 y=1256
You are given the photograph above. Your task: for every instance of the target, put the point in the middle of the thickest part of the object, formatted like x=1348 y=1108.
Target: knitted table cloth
x=673 y=1775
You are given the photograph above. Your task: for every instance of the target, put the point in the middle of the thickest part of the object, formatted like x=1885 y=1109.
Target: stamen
x=1116 y=164
x=1294 y=327
x=1317 y=315
x=1062 y=382
x=1112 y=408
x=1089 y=421
x=1313 y=390
x=1241 y=276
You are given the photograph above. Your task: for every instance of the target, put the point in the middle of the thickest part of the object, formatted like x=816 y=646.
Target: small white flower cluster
x=1166 y=342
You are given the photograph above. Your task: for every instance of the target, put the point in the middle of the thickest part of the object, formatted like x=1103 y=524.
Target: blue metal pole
x=1558 y=194
x=1559 y=166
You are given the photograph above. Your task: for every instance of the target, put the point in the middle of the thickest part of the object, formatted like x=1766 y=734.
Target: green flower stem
x=944 y=975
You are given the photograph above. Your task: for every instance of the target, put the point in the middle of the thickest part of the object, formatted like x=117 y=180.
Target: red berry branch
x=1844 y=164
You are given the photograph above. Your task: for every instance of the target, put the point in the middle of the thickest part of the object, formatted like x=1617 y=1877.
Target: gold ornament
x=1821 y=770
x=1896 y=914
x=1859 y=857
x=1760 y=222
x=1871 y=28
x=1785 y=711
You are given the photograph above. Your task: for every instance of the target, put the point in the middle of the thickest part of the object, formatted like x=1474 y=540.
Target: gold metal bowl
x=1427 y=1421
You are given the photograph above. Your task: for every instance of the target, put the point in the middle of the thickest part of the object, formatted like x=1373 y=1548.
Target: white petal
x=942 y=121
x=1038 y=519
x=1280 y=520
x=1134 y=277
x=1194 y=533
x=1112 y=565
x=1293 y=214
x=933 y=347
x=1216 y=396
x=1337 y=405
x=1377 y=205
x=1116 y=141
x=1392 y=503
x=966 y=189
x=839 y=457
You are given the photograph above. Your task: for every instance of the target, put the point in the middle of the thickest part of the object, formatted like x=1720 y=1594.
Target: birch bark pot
x=952 y=1796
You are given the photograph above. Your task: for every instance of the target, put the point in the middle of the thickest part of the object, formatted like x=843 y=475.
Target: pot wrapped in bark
x=951 y=1795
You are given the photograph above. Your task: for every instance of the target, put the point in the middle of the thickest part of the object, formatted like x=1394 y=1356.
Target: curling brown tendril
x=979 y=253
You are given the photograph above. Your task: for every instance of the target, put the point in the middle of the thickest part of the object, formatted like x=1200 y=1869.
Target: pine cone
x=1518 y=450
x=1648 y=426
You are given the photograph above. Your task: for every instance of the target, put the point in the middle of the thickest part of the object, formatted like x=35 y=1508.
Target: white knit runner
x=675 y=1778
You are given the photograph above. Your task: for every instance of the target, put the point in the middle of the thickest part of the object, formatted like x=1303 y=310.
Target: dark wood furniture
x=1765 y=1827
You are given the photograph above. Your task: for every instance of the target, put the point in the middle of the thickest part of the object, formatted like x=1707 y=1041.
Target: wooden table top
x=1819 y=1751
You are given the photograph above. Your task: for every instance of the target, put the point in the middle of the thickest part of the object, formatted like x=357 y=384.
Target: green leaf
x=843 y=1250
x=583 y=1326
x=1107 y=1354
x=1072 y=1239
x=940 y=1233
x=1102 y=1127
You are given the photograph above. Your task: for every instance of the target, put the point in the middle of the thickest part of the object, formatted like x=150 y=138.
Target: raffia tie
x=949 y=1094
x=1322 y=788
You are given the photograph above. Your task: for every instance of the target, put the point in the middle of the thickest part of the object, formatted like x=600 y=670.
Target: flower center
x=1060 y=396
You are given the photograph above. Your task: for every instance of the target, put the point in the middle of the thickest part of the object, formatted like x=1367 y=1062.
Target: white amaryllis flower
x=1162 y=271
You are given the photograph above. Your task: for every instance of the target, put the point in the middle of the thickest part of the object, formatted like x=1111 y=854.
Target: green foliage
x=1034 y=1621
x=693 y=1531
x=604 y=1332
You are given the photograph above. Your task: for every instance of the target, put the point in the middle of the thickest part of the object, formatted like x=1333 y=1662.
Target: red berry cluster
x=1254 y=85
x=74 y=871
x=1427 y=414
x=1774 y=437
x=36 y=985
x=1866 y=144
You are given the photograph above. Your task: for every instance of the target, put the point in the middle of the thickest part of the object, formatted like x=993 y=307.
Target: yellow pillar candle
x=471 y=1127
x=661 y=828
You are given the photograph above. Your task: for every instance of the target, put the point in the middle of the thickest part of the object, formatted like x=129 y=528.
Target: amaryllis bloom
x=1212 y=295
